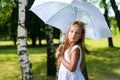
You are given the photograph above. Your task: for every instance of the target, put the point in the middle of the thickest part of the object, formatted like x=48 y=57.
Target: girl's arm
x=58 y=63
x=71 y=66
x=59 y=53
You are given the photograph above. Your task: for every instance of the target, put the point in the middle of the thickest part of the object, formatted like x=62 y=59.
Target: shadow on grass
x=104 y=64
x=39 y=72
x=8 y=49
x=31 y=49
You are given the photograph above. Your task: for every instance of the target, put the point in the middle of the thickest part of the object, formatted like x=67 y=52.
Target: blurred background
x=102 y=56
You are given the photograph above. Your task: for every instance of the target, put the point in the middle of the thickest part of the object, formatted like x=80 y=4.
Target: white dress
x=65 y=74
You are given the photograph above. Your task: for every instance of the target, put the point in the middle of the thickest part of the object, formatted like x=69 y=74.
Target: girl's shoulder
x=74 y=47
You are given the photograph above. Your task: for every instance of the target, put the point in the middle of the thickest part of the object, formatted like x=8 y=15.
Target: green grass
x=9 y=64
x=102 y=62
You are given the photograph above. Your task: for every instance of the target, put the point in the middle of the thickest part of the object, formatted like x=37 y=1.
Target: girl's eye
x=76 y=32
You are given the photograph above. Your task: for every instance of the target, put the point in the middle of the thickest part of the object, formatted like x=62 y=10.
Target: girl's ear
x=82 y=36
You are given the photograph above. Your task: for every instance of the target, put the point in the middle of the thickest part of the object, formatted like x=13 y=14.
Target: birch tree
x=51 y=67
x=26 y=66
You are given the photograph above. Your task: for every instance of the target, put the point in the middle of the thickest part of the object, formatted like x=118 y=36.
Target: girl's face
x=74 y=33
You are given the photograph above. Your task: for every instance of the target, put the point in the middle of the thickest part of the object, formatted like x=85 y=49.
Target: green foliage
x=36 y=28
x=8 y=18
x=5 y=10
x=102 y=4
x=113 y=26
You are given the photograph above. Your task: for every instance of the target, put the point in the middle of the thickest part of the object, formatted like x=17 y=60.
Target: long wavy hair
x=80 y=42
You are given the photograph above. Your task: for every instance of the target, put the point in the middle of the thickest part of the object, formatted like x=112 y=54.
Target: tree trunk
x=33 y=37
x=110 y=42
x=26 y=66
x=51 y=67
x=116 y=11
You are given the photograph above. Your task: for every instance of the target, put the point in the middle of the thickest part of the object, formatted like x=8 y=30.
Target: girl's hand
x=57 y=54
x=59 y=51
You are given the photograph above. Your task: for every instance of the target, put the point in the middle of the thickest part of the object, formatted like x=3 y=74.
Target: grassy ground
x=102 y=62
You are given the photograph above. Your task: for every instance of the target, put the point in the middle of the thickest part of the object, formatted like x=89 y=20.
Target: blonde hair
x=80 y=42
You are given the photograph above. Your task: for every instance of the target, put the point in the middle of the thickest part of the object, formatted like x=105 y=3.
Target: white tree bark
x=51 y=71
x=26 y=66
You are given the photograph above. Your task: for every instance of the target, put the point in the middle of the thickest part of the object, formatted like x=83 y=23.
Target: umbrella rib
x=91 y=22
x=75 y=14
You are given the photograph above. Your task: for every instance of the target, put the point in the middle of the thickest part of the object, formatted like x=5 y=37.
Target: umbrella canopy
x=60 y=13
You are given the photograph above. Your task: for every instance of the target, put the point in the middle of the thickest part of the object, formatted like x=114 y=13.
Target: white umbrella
x=59 y=13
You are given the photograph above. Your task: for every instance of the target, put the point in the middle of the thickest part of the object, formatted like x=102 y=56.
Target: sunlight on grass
x=117 y=70
x=96 y=43
x=102 y=43
x=55 y=41
x=37 y=62
x=103 y=63
x=6 y=43
x=9 y=67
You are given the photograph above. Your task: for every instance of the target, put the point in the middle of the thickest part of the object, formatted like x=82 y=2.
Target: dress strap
x=74 y=47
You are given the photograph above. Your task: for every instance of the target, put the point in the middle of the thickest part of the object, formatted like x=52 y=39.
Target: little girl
x=70 y=55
